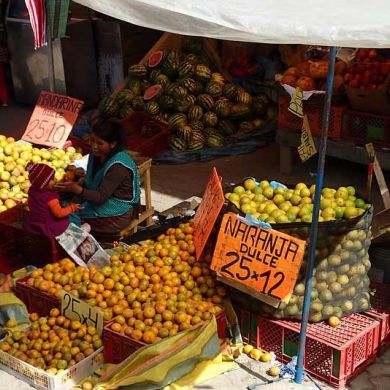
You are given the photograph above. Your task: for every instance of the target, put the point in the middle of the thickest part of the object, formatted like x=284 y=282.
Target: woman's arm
x=113 y=179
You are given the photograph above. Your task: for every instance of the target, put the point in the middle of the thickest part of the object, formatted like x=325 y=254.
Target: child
x=46 y=216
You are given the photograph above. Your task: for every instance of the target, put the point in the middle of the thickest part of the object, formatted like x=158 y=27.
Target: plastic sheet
x=239 y=144
x=330 y=23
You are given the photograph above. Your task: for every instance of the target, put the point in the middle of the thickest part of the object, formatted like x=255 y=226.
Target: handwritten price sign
x=208 y=211
x=76 y=309
x=52 y=119
x=264 y=260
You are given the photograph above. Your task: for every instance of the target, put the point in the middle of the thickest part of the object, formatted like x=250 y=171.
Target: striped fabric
x=57 y=14
x=37 y=12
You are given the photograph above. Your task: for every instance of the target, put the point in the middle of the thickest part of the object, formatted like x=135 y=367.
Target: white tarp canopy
x=347 y=23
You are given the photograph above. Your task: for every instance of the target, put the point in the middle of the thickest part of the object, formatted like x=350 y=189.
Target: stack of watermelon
x=179 y=87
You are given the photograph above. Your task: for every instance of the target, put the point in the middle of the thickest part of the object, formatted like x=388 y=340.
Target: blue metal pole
x=316 y=209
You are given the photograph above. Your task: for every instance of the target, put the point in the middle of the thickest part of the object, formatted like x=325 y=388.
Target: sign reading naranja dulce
x=52 y=119
x=264 y=260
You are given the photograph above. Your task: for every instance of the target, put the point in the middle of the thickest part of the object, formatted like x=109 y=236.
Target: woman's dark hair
x=111 y=130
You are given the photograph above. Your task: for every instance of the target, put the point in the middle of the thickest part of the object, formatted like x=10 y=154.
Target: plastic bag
x=340 y=276
x=158 y=365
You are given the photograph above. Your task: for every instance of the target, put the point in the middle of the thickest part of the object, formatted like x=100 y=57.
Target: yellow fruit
x=266 y=357
x=248 y=348
x=334 y=321
x=255 y=354
x=273 y=371
x=11 y=323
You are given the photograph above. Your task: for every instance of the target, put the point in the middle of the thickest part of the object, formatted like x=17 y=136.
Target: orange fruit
x=116 y=327
x=149 y=337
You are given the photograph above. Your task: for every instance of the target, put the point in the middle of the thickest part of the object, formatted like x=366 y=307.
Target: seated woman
x=111 y=186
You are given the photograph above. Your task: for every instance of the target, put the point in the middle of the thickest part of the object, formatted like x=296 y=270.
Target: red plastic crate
x=333 y=355
x=117 y=346
x=139 y=123
x=380 y=310
x=361 y=128
x=287 y=120
x=35 y=300
x=19 y=248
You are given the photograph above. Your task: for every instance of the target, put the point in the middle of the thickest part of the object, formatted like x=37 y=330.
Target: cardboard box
x=373 y=101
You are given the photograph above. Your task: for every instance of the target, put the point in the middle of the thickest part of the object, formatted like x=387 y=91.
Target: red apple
x=362 y=54
x=353 y=84
x=348 y=77
x=372 y=53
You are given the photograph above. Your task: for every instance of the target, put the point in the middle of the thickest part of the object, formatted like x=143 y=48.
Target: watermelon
x=210 y=119
x=213 y=89
x=202 y=72
x=185 y=133
x=153 y=75
x=209 y=131
x=189 y=84
x=217 y=78
x=246 y=126
x=152 y=92
x=152 y=108
x=229 y=90
x=195 y=113
x=239 y=112
x=124 y=97
x=138 y=71
x=155 y=59
x=108 y=107
x=177 y=144
x=165 y=117
x=198 y=136
x=222 y=107
x=205 y=101
x=177 y=121
x=243 y=97
x=125 y=112
x=226 y=127
x=166 y=102
x=138 y=103
x=192 y=58
x=214 y=141
x=181 y=105
x=191 y=99
x=172 y=63
x=135 y=86
x=197 y=126
x=162 y=79
x=169 y=88
x=186 y=69
x=179 y=92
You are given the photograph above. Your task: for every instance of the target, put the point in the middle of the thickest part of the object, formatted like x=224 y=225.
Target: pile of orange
x=161 y=273
x=52 y=343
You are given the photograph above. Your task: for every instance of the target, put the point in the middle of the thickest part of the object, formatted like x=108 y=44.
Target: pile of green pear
x=280 y=205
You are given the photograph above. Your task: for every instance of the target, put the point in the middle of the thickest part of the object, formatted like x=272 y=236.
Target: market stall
x=158 y=306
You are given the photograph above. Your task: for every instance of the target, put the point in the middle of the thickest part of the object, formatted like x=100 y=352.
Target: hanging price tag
x=307 y=148
x=52 y=119
x=76 y=309
x=296 y=106
x=208 y=211
x=264 y=260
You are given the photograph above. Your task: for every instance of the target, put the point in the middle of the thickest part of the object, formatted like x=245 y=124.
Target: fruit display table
x=288 y=141
x=144 y=165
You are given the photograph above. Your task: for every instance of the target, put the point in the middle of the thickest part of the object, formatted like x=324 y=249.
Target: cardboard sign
x=264 y=260
x=208 y=211
x=76 y=309
x=295 y=106
x=52 y=119
x=307 y=148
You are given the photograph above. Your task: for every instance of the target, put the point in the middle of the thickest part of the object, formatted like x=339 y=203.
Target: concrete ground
x=173 y=183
